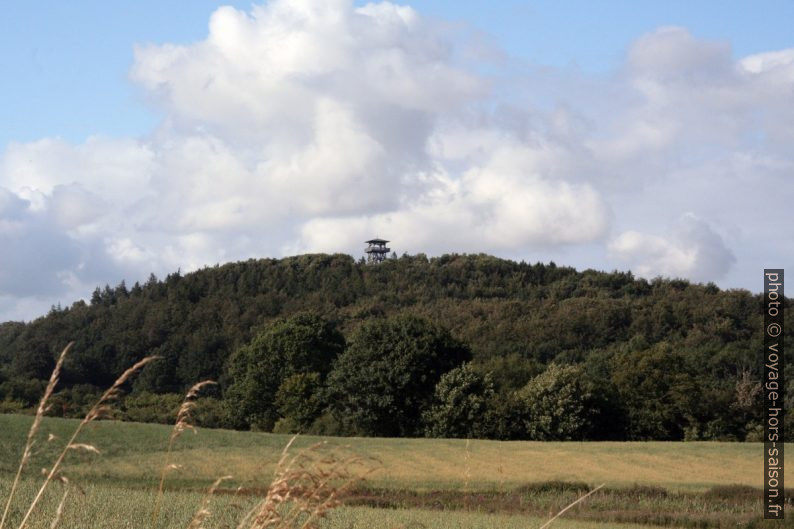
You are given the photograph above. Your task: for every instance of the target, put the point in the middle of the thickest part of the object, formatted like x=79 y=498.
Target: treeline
x=455 y=346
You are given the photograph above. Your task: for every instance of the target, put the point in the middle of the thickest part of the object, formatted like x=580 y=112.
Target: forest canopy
x=454 y=346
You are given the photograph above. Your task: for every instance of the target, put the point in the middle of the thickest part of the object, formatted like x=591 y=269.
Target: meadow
x=413 y=482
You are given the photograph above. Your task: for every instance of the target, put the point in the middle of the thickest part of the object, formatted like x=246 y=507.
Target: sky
x=150 y=137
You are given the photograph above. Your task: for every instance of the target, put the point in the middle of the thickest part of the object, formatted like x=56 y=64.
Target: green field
x=415 y=483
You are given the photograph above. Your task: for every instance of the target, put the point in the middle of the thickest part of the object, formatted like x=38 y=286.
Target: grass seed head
x=84 y=447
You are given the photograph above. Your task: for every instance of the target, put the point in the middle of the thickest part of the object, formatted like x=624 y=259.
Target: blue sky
x=151 y=136
x=69 y=60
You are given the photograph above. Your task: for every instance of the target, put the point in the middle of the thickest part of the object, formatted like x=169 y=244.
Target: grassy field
x=417 y=482
x=108 y=506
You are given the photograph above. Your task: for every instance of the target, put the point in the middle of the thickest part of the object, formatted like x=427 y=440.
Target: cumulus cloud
x=309 y=125
x=36 y=255
x=687 y=101
x=505 y=201
x=693 y=250
x=115 y=169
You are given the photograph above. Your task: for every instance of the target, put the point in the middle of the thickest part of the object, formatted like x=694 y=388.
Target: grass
x=720 y=507
x=105 y=506
x=133 y=454
x=421 y=481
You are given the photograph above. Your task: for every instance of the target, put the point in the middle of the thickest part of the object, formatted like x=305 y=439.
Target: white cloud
x=530 y=216
x=74 y=206
x=114 y=169
x=778 y=62
x=693 y=251
x=34 y=250
x=308 y=125
x=672 y=54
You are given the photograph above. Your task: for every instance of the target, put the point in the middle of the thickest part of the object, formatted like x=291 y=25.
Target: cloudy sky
x=155 y=136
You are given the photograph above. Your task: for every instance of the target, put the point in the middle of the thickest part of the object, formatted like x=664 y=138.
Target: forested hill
x=514 y=318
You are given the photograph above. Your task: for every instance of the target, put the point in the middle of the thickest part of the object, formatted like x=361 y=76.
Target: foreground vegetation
x=107 y=506
x=456 y=346
x=438 y=483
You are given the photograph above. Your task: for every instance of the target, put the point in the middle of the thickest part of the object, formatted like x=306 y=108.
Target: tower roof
x=376 y=241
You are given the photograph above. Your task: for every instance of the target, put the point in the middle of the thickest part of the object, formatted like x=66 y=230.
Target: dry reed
x=306 y=487
x=34 y=428
x=59 y=510
x=467 y=476
x=197 y=522
x=182 y=424
x=570 y=505
x=98 y=410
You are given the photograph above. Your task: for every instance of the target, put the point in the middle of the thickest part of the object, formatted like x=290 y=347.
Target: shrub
x=558 y=404
x=148 y=407
x=459 y=404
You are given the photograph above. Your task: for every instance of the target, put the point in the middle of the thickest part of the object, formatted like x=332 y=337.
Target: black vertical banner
x=774 y=394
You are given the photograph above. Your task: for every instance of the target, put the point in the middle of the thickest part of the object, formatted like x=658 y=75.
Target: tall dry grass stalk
x=197 y=522
x=467 y=476
x=59 y=510
x=183 y=423
x=306 y=487
x=34 y=428
x=98 y=410
x=571 y=505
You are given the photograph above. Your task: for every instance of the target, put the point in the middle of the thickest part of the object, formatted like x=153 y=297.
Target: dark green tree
x=557 y=405
x=299 y=401
x=659 y=390
x=460 y=404
x=305 y=343
x=515 y=317
x=386 y=377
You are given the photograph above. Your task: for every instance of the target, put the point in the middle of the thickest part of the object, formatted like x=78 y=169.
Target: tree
x=460 y=403
x=385 y=379
x=299 y=400
x=557 y=405
x=304 y=343
x=515 y=317
x=659 y=391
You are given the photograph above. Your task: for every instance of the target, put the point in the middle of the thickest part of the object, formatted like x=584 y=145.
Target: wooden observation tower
x=376 y=250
